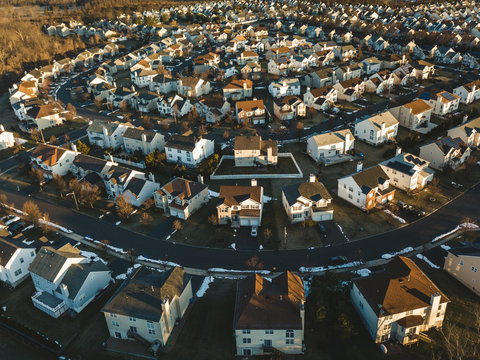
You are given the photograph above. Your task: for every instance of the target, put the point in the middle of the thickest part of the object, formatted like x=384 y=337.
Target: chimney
x=151 y=177
x=312 y=178
x=359 y=166
x=65 y=290
x=253 y=182
x=383 y=127
x=144 y=138
x=200 y=178
x=434 y=303
x=308 y=89
x=74 y=148
x=2 y=128
x=110 y=157
x=105 y=131
x=398 y=151
x=465 y=118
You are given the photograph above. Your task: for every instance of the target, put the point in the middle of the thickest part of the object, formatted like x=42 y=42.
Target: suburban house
x=446 y=152
x=181 y=197
x=212 y=109
x=307 y=201
x=65 y=280
x=269 y=315
x=378 y=129
x=350 y=90
x=15 y=258
x=106 y=134
x=7 y=139
x=284 y=87
x=408 y=172
x=148 y=304
x=251 y=150
x=43 y=116
x=146 y=141
x=321 y=98
x=289 y=107
x=238 y=89
x=365 y=189
x=414 y=115
x=442 y=103
x=52 y=159
x=334 y=143
x=469 y=132
x=469 y=92
x=399 y=303
x=463 y=263
x=251 y=111
x=192 y=87
x=188 y=150
x=240 y=205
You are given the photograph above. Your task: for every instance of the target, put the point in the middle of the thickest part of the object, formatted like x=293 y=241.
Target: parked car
x=254 y=231
x=16 y=227
x=322 y=229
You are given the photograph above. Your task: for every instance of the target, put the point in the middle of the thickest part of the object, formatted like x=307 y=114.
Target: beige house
x=469 y=132
x=146 y=141
x=6 y=138
x=377 y=129
x=307 y=201
x=414 y=115
x=148 y=304
x=240 y=205
x=238 y=89
x=250 y=111
x=44 y=116
x=181 y=197
x=269 y=315
x=463 y=263
x=400 y=303
x=289 y=107
x=447 y=151
x=443 y=102
x=251 y=150
x=331 y=144
x=408 y=172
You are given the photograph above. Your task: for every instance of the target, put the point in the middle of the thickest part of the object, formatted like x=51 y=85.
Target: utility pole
x=74 y=198
x=285 y=236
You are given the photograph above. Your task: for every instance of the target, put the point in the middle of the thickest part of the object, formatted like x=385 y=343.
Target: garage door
x=244 y=222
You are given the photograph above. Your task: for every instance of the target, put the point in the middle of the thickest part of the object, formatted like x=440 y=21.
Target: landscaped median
x=287 y=168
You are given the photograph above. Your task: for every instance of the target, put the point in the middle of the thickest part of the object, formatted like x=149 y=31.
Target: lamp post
x=74 y=198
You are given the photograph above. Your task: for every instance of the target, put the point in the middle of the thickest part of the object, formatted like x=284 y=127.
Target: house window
x=32 y=253
x=289 y=341
x=150 y=325
x=115 y=323
x=269 y=332
x=247 y=352
x=118 y=335
x=113 y=315
x=247 y=340
x=18 y=272
x=474 y=269
x=246 y=331
x=289 y=334
x=21 y=260
x=151 y=332
x=133 y=329
x=132 y=318
x=461 y=262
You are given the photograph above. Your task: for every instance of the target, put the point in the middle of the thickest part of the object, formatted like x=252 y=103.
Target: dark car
x=338 y=260
x=16 y=227
x=322 y=229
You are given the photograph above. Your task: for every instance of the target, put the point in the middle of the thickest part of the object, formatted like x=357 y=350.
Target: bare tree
x=89 y=194
x=59 y=184
x=124 y=208
x=37 y=176
x=46 y=224
x=177 y=225
x=146 y=218
x=213 y=219
x=31 y=213
x=267 y=233
x=148 y=204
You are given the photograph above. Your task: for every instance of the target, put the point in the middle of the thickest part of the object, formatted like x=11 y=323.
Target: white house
x=463 y=263
x=181 y=197
x=469 y=132
x=284 y=87
x=321 y=98
x=52 y=159
x=307 y=201
x=377 y=129
x=146 y=141
x=238 y=89
x=240 y=205
x=106 y=134
x=64 y=280
x=333 y=143
x=188 y=150
x=43 y=116
x=398 y=303
x=469 y=92
x=148 y=305
x=250 y=111
x=7 y=139
x=443 y=102
x=447 y=151
x=252 y=150
x=414 y=115
x=289 y=107
x=408 y=172
x=269 y=315
x=14 y=261
x=366 y=188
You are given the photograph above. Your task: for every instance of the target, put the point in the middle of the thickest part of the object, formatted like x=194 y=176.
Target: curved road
x=415 y=234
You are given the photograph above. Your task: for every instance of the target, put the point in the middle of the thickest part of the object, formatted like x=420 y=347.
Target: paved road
x=416 y=234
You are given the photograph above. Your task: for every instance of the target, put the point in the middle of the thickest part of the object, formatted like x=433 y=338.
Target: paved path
x=415 y=234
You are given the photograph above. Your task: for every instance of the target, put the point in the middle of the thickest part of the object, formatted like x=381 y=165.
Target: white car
x=254 y=231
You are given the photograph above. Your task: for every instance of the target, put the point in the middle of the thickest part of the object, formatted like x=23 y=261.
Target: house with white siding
x=64 y=280
x=334 y=143
x=469 y=132
x=146 y=141
x=148 y=305
x=414 y=115
x=269 y=315
x=7 y=139
x=252 y=150
x=469 y=92
x=442 y=103
x=378 y=129
x=445 y=152
x=283 y=87
x=188 y=150
x=15 y=258
x=106 y=134
x=238 y=89
x=408 y=172
x=399 y=303
x=52 y=159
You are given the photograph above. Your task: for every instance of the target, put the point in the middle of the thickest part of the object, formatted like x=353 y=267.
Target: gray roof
x=88 y=162
x=97 y=126
x=136 y=133
x=7 y=249
x=142 y=295
x=135 y=185
x=49 y=261
x=314 y=191
x=77 y=274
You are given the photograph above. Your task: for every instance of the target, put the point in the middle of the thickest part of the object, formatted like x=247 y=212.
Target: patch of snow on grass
x=212 y=194
x=395 y=216
x=343 y=233
x=404 y=251
x=161 y=262
x=92 y=256
x=204 y=287
x=304 y=269
x=221 y=270
x=28 y=242
x=445 y=247
x=362 y=272
x=423 y=257
x=233 y=246
x=459 y=227
x=27 y=228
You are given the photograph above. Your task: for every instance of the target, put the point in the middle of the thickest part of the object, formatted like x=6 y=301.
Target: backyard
x=286 y=165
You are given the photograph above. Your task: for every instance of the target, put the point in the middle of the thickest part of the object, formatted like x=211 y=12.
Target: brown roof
x=275 y=304
x=48 y=154
x=401 y=287
x=251 y=142
x=250 y=105
x=370 y=177
x=234 y=195
x=323 y=91
x=418 y=106
x=247 y=53
x=238 y=84
x=183 y=188
x=37 y=112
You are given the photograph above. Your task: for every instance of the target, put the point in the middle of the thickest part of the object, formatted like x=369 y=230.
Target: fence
x=140 y=165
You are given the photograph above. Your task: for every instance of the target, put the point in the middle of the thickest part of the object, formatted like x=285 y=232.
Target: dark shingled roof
x=181 y=142
x=401 y=287
x=87 y=162
x=261 y=304
x=234 y=195
x=370 y=178
x=314 y=191
x=136 y=133
x=49 y=261
x=7 y=249
x=77 y=274
x=185 y=189
x=468 y=249
x=135 y=185
x=142 y=295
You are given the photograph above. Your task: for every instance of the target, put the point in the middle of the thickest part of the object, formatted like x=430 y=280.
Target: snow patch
x=267 y=199
x=27 y=228
x=113 y=248
x=204 y=287
x=212 y=194
x=404 y=251
x=12 y=220
x=161 y=262
x=422 y=257
x=307 y=285
x=260 y=247
x=233 y=246
x=304 y=269
x=343 y=233
x=221 y=270
x=459 y=227
x=28 y=242
x=362 y=272
x=92 y=256
x=445 y=247
x=395 y=216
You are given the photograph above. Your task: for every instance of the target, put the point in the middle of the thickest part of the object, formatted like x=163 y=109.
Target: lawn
x=285 y=166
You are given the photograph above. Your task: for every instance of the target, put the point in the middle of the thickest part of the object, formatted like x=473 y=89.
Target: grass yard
x=285 y=166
